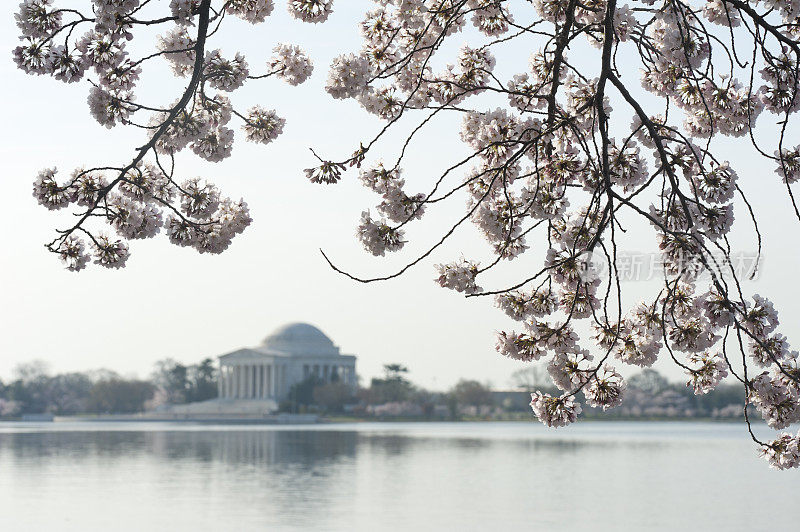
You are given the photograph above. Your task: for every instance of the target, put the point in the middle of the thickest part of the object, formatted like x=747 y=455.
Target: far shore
x=310 y=419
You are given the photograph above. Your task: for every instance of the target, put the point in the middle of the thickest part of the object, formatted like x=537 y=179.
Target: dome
x=300 y=339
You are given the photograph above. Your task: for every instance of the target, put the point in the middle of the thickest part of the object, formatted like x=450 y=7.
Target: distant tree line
x=392 y=395
x=34 y=390
x=185 y=384
x=649 y=395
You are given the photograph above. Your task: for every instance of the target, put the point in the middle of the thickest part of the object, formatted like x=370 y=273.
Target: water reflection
x=269 y=447
x=366 y=477
x=233 y=447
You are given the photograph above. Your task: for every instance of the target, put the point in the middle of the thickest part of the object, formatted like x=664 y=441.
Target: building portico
x=290 y=355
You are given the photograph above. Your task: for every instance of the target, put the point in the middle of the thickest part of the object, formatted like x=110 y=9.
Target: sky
x=172 y=302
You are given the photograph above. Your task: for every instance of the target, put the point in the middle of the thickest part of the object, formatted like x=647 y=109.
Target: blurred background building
x=290 y=355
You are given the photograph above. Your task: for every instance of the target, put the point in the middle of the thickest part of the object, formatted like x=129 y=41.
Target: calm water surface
x=390 y=476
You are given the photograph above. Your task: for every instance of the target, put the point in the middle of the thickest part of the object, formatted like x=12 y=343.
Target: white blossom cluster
x=459 y=276
x=183 y=10
x=522 y=305
x=225 y=74
x=348 y=77
x=253 y=11
x=783 y=452
x=72 y=252
x=605 y=389
x=789 y=164
x=523 y=347
x=635 y=341
x=776 y=400
x=135 y=210
x=396 y=205
x=554 y=411
x=138 y=199
x=570 y=369
x=178 y=48
x=710 y=371
x=263 y=126
x=290 y=64
x=215 y=146
x=377 y=237
x=313 y=11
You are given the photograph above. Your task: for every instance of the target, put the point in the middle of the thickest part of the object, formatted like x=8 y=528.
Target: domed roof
x=300 y=339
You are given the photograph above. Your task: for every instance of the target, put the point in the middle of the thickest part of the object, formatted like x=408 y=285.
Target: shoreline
x=313 y=419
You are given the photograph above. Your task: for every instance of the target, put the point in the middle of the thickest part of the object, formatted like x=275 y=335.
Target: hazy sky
x=173 y=302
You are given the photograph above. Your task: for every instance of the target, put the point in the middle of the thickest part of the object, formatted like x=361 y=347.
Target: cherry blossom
x=459 y=276
x=783 y=452
x=554 y=411
x=522 y=346
x=137 y=198
x=290 y=64
x=709 y=371
x=263 y=126
x=377 y=237
x=605 y=389
x=310 y=10
x=253 y=11
x=550 y=174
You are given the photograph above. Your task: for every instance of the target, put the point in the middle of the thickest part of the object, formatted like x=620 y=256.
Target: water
x=389 y=476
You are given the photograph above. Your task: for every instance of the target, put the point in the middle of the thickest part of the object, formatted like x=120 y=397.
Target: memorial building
x=291 y=354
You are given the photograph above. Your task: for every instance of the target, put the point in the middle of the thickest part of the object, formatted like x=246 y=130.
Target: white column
x=252 y=381
x=220 y=388
x=264 y=390
x=237 y=380
x=249 y=376
x=257 y=379
x=223 y=375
